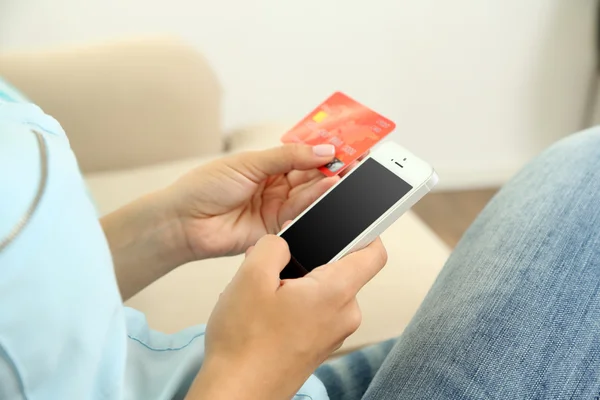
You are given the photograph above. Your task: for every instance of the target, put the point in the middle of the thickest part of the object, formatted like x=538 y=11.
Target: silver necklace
x=18 y=228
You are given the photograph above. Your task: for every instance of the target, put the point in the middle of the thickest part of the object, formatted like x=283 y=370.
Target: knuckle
x=337 y=346
x=383 y=255
x=244 y=161
x=353 y=318
x=274 y=241
x=378 y=253
x=292 y=150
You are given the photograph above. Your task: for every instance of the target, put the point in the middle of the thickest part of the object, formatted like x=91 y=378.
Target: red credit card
x=351 y=127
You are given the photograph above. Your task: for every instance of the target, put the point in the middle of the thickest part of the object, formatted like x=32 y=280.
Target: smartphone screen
x=338 y=218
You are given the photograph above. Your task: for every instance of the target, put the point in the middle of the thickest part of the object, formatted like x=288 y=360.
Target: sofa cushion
x=187 y=295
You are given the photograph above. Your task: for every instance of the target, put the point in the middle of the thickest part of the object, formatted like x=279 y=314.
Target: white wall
x=475 y=86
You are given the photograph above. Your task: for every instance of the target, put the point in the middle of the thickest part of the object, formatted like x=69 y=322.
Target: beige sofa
x=139 y=114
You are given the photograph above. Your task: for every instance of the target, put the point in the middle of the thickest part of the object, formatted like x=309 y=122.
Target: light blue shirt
x=64 y=332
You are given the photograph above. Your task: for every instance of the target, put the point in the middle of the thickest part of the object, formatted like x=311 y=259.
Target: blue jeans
x=515 y=313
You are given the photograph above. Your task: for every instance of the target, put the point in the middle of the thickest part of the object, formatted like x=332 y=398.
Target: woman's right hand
x=265 y=336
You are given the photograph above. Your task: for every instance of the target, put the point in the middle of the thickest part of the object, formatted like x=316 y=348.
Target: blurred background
x=476 y=87
x=148 y=89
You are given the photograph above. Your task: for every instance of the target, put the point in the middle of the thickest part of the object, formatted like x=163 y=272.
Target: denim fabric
x=348 y=377
x=515 y=313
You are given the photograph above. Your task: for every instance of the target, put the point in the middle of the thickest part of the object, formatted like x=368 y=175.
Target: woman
x=512 y=315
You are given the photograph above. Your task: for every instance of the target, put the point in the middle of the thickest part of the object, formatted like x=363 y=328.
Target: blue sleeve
x=10 y=94
x=62 y=329
x=64 y=333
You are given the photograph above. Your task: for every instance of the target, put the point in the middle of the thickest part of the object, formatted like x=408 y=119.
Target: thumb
x=267 y=259
x=280 y=160
x=353 y=271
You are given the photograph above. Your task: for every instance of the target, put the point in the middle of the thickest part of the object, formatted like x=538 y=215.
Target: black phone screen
x=335 y=221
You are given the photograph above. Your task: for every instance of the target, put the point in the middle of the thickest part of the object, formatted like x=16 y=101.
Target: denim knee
x=584 y=143
x=575 y=159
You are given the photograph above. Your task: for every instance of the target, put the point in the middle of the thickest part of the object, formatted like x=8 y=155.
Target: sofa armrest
x=125 y=104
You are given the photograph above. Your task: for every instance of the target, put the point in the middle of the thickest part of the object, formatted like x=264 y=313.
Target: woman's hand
x=217 y=209
x=265 y=336
x=226 y=206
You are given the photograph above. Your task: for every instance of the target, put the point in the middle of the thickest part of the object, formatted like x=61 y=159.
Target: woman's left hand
x=227 y=205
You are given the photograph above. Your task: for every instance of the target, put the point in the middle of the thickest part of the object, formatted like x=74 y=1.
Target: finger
x=259 y=165
x=352 y=317
x=353 y=271
x=266 y=260
x=302 y=199
x=298 y=189
x=248 y=250
x=296 y=178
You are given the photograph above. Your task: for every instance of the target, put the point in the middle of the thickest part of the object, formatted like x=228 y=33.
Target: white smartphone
x=354 y=212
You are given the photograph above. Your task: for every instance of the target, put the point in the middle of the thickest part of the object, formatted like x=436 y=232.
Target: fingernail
x=324 y=150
